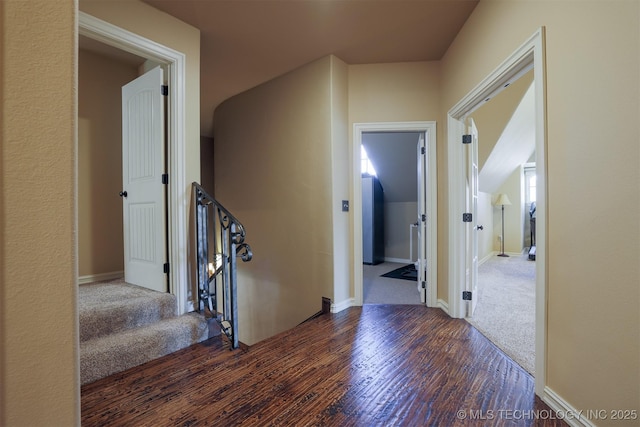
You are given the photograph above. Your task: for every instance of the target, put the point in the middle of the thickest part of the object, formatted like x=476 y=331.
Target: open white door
x=143 y=194
x=422 y=219
x=472 y=227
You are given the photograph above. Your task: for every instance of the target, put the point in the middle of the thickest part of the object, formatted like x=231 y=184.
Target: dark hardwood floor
x=377 y=365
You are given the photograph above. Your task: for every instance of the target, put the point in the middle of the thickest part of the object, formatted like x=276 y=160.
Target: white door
x=422 y=219
x=143 y=193
x=472 y=226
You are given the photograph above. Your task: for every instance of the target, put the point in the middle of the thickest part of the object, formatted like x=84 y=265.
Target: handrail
x=217 y=269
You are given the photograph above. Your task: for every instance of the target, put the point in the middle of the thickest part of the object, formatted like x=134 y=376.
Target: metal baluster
x=228 y=245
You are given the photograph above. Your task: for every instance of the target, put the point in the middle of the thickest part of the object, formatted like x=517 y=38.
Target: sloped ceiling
x=514 y=147
x=395 y=158
x=247 y=42
x=492 y=117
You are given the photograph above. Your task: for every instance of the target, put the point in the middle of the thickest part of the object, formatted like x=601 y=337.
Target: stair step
x=107 y=355
x=111 y=307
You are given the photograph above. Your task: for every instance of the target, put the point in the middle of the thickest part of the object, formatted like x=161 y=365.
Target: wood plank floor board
x=377 y=365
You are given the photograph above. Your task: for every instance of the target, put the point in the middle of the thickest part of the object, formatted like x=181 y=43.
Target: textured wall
x=40 y=379
x=273 y=172
x=593 y=64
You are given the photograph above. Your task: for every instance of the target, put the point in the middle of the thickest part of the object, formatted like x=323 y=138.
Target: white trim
x=90 y=278
x=564 y=410
x=338 y=307
x=530 y=54
x=442 y=304
x=457 y=253
x=398 y=260
x=429 y=127
x=112 y=35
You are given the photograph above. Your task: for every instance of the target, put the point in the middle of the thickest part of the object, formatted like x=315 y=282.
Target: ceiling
x=516 y=145
x=247 y=42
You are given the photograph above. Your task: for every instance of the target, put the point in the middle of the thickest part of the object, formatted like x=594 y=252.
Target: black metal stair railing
x=220 y=241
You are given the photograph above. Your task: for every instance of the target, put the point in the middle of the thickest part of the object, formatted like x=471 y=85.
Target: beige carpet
x=506 y=307
x=122 y=326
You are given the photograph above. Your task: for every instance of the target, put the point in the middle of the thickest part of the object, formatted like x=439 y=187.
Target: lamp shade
x=503 y=200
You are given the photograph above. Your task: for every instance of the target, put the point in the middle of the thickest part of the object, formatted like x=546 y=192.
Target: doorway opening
x=113 y=36
x=505 y=295
x=373 y=136
x=389 y=211
x=529 y=56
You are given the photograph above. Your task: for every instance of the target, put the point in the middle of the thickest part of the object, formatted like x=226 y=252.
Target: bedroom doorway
x=529 y=56
x=505 y=303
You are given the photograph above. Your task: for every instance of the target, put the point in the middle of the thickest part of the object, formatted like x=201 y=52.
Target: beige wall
x=513 y=215
x=402 y=92
x=340 y=176
x=100 y=79
x=39 y=383
x=593 y=322
x=273 y=162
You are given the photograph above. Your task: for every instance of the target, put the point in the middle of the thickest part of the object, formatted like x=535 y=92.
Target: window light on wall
x=366 y=166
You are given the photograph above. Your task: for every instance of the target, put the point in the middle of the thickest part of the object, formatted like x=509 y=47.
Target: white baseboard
x=562 y=409
x=398 y=260
x=444 y=306
x=99 y=277
x=338 y=307
x=488 y=257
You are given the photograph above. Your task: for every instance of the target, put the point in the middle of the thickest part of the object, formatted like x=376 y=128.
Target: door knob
x=123 y=194
x=479 y=227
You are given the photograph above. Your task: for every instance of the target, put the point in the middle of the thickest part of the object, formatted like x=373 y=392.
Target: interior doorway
x=529 y=56
x=505 y=296
x=390 y=192
x=429 y=201
x=178 y=208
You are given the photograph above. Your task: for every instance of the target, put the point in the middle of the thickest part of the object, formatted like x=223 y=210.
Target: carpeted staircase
x=122 y=326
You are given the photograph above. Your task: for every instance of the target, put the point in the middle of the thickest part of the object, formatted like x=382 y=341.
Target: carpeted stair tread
x=106 y=355
x=110 y=307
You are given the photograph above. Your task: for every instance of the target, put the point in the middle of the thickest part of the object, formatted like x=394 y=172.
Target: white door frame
x=530 y=55
x=429 y=128
x=178 y=198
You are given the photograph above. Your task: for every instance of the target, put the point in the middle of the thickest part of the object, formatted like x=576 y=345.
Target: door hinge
x=424 y=285
x=423 y=217
x=423 y=150
x=166 y=268
x=466 y=295
x=165 y=178
x=467 y=217
x=466 y=139
x=164 y=90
